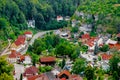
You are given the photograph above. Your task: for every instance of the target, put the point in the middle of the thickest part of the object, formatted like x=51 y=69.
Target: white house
x=27 y=60
x=28 y=34
x=14 y=56
x=67 y=18
x=31 y=23
x=19 y=44
x=109 y=41
x=59 y=18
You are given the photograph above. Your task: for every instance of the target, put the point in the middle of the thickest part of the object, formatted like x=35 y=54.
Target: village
x=23 y=63
x=60 y=40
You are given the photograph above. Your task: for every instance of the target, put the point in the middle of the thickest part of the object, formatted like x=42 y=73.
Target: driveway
x=19 y=69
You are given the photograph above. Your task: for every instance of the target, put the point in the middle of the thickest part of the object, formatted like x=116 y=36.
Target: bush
x=104 y=48
x=45 y=69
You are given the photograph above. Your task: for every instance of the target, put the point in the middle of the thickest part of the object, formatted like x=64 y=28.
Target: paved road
x=7 y=48
x=19 y=69
x=37 y=35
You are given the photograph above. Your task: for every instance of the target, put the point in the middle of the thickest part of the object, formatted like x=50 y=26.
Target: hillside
x=14 y=15
x=102 y=16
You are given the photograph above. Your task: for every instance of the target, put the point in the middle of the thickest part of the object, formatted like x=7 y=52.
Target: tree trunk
x=93 y=22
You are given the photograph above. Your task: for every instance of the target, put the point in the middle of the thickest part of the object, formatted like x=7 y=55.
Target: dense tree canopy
x=114 y=64
x=5 y=69
x=79 y=66
x=105 y=13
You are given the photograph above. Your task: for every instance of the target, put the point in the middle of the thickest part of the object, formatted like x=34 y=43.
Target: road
x=37 y=35
x=7 y=48
x=19 y=69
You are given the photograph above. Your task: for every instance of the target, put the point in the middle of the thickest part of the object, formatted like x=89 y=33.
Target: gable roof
x=85 y=36
x=31 y=70
x=20 y=40
x=27 y=32
x=90 y=42
x=22 y=57
x=75 y=77
x=106 y=56
x=47 y=59
x=117 y=46
x=109 y=41
x=63 y=79
x=14 y=54
x=118 y=35
x=38 y=77
x=66 y=72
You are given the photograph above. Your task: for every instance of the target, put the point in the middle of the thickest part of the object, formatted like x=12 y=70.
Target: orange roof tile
x=47 y=59
x=31 y=71
x=75 y=77
x=22 y=58
x=66 y=72
x=20 y=40
x=38 y=77
x=63 y=79
x=106 y=56
x=117 y=46
x=14 y=54
x=118 y=35
x=85 y=36
x=28 y=32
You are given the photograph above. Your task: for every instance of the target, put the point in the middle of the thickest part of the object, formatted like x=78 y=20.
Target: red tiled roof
x=31 y=71
x=101 y=45
x=66 y=72
x=47 y=59
x=14 y=54
x=106 y=56
x=118 y=35
x=91 y=44
x=75 y=77
x=22 y=58
x=28 y=32
x=117 y=46
x=38 y=77
x=63 y=79
x=85 y=36
x=59 y=16
x=20 y=40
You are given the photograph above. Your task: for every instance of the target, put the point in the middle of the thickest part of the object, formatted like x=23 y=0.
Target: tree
x=99 y=74
x=39 y=21
x=104 y=48
x=76 y=53
x=64 y=48
x=63 y=63
x=115 y=76
x=21 y=77
x=75 y=29
x=45 y=69
x=5 y=69
x=114 y=63
x=3 y=23
x=84 y=48
x=5 y=76
x=100 y=9
x=96 y=49
x=118 y=39
x=89 y=73
x=78 y=66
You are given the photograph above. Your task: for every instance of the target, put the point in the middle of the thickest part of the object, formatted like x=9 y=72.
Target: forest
x=14 y=15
